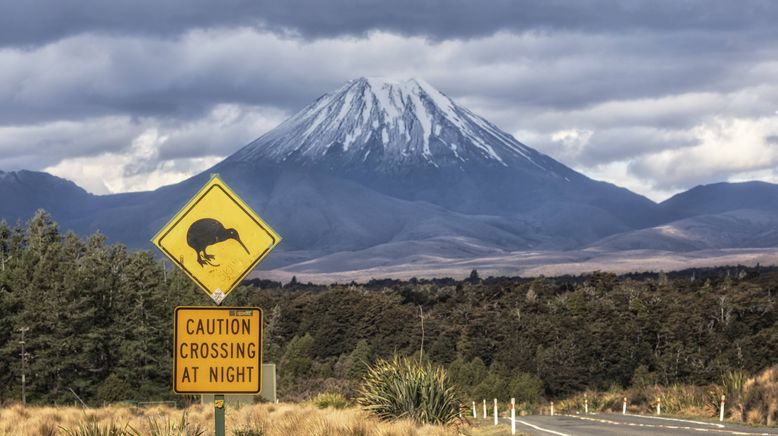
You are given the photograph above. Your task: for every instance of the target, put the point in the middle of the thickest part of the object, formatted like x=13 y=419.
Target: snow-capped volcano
x=410 y=141
x=390 y=126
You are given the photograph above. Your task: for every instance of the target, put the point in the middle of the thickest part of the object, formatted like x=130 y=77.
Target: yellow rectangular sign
x=216 y=239
x=218 y=350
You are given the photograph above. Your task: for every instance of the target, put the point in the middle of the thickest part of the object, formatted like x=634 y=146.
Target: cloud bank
x=654 y=96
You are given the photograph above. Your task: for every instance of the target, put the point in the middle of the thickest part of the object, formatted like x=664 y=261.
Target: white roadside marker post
x=513 y=416
x=484 y=408
x=475 y=414
x=586 y=403
x=658 y=406
x=495 y=412
x=624 y=407
x=721 y=409
x=552 y=408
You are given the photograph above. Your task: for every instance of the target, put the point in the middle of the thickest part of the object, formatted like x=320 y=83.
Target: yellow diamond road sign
x=216 y=239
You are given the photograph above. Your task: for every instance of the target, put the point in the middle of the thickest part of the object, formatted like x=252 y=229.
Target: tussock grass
x=330 y=399
x=752 y=400
x=680 y=400
x=490 y=430
x=260 y=419
x=759 y=399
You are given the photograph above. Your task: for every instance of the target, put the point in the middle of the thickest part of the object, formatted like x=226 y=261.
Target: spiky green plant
x=168 y=427
x=403 y=388
x=90 y=427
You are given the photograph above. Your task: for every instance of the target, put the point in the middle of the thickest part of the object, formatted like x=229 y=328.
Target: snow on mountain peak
x=388 y=124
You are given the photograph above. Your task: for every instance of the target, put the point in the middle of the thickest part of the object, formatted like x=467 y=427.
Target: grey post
x=24 y=367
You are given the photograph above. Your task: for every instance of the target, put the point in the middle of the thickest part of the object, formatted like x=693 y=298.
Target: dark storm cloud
x=179 y=58
x=181 y=79
x=184 y=77
x=39 y=21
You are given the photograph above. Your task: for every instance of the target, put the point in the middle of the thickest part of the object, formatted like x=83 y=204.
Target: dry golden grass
x=486 y=429
x=759 y=398
x=752 y=400
x=272 y=419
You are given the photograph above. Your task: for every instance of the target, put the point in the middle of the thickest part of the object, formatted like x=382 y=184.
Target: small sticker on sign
x=248 y=312
x=218 y=296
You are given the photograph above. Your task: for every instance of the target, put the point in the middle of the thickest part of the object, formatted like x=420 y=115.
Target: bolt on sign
x=216 y=239
x=217 y=350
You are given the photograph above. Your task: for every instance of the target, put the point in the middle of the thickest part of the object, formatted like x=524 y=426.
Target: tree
x=297 y=361
x=360 y=360
x=6 y=336
x=41 y=290
x=144 y=360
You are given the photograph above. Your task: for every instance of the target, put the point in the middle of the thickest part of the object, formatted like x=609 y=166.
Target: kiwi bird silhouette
x=206 y=232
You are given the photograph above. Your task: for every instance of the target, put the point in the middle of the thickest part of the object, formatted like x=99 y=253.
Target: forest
x=97 y=321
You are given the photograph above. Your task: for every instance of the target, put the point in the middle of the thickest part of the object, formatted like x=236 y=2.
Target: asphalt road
x=614 y=424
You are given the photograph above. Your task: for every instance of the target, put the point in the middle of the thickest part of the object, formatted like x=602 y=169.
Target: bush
x=402 y=388
x=330 y=399
x=526 y=388
x=114 y=389
x=684 y=400
x=733 y=384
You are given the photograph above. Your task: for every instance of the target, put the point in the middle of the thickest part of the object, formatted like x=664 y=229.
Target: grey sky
x=127 y=95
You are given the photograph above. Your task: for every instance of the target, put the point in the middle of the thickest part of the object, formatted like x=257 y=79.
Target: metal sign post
x=218 y=415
